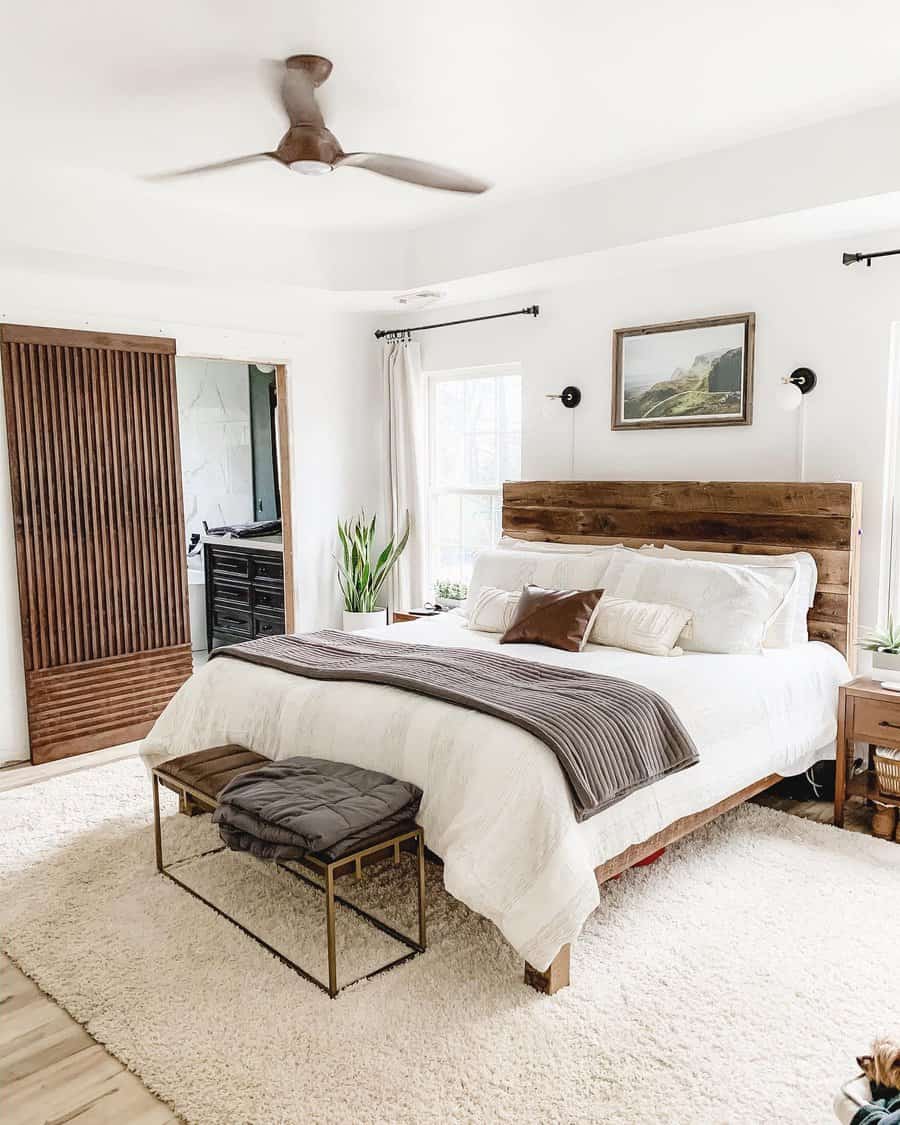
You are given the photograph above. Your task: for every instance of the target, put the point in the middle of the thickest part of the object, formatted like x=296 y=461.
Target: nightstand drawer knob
x=885 y=723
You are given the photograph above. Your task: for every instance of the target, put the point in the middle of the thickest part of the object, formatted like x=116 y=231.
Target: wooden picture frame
x=724 y=336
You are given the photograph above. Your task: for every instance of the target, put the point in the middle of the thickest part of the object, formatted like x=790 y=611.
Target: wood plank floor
x=53 y=1072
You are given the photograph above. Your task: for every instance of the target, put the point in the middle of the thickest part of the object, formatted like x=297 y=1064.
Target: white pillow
x=795 y=573
x=494 y=610
x=505 y=569
x=507 y=543
x=732 y=606
x=639 y=626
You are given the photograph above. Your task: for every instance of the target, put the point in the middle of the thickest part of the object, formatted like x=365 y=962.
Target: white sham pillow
x=796 y=573
x=507 y=543
x=505 y=569
x=639 y=626
x=494 y=610
x=732 y=606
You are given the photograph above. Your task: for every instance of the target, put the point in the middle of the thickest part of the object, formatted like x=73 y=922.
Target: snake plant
x=361 y=575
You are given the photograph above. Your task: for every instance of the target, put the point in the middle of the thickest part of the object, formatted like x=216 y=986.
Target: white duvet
x=496 y=806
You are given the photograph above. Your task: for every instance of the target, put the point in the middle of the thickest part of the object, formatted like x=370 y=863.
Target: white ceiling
x=536 y=96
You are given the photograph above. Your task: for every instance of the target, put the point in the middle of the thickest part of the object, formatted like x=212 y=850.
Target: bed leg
x=555 y=976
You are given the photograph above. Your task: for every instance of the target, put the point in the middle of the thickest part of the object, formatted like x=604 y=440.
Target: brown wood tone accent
x=284 y=465
x=397 y=617
x=554 y=977
x=867 y=714
x=735 y=517
x=637 y=852
x=92 y=428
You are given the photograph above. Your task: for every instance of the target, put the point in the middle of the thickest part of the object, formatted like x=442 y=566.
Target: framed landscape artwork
x=688 y=373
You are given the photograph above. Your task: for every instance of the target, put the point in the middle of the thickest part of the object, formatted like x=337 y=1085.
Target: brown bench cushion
x=209 y=771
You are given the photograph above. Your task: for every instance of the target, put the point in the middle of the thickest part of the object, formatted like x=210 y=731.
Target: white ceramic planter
x=353 y=622
x=887 y=662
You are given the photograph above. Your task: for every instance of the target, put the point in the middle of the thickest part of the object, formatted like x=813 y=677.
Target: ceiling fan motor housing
x=309 y=142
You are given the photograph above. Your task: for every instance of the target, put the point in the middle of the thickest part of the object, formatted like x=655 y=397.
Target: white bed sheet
x=496 y=806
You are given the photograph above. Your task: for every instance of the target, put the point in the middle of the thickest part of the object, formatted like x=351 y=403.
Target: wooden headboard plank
x=721 y=497
x=668 y=523
x=734 y=517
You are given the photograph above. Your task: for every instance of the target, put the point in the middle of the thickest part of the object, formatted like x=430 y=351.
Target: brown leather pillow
x=556 y=618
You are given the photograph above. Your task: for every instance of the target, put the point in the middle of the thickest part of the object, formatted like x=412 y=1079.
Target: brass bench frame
x=329 y=871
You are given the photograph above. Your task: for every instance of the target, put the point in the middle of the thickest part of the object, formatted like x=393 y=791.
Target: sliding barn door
x=92 y=430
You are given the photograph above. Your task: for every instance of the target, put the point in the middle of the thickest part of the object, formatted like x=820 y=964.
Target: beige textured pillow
x=639 y=626
x=494 y=610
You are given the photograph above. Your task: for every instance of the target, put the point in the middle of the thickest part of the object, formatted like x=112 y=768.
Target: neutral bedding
x=610 y=736
x=496 y=805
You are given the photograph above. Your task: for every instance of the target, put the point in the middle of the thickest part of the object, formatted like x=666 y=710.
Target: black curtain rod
x=532 y=310
x=852 y=259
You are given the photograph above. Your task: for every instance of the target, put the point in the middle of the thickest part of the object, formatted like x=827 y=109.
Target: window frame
x=433 y=491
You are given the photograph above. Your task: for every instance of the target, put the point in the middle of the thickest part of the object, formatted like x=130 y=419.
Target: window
x=474 y=444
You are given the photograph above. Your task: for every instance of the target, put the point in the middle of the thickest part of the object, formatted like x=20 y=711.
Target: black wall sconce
x=569 y=396
x=799 y=383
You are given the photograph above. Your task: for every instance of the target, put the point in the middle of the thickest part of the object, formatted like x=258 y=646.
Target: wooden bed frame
x=763 y=518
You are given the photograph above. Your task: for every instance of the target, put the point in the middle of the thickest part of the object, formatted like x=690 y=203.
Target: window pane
x=475 y=433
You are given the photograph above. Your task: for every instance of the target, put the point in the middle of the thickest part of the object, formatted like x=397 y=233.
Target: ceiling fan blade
x=202 y=169
x=414 y=171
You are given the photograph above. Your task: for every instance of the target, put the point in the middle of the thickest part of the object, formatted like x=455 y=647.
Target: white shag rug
x=735 y=979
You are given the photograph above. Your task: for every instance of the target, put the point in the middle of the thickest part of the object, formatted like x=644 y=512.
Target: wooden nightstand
x=866 y=713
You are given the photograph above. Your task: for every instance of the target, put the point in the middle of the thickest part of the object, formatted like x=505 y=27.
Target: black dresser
x=244 y=593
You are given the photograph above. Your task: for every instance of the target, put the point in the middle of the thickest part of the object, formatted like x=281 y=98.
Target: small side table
x=870 y=714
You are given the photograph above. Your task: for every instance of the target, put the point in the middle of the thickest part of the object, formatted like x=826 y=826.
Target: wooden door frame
x=284 y=466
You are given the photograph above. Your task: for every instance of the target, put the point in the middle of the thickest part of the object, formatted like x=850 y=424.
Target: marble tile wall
x=216 y=457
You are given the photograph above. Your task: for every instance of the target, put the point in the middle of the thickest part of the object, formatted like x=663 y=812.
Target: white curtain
x=404 y=397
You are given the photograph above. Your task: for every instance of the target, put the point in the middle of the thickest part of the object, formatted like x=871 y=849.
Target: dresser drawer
x=225 y=563
x=230 y=593
x=236 y=622
x=268 y=569
x=877 y=720
x=267 y=625
x=269 y=599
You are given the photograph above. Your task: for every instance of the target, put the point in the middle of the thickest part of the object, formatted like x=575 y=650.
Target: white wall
x=216 y=452
x=334 y=412
x=810 y=310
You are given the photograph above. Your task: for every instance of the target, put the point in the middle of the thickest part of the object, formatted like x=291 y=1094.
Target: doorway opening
x=236 y=500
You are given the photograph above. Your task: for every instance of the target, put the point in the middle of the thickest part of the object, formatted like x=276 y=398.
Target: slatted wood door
x=92 y=432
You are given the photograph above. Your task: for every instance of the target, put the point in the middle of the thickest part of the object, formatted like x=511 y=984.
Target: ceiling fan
x=309 y=148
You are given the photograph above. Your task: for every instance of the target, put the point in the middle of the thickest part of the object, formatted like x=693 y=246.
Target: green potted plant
x=884 y=645
x=362 y=574
x=450 y=594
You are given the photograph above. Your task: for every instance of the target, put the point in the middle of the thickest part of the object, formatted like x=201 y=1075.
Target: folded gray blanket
x=300 y=805
x=610 y=736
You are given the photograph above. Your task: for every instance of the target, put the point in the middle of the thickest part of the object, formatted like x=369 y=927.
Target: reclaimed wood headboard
x=767 y=518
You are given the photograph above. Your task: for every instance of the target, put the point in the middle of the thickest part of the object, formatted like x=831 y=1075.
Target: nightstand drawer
x=877 y=721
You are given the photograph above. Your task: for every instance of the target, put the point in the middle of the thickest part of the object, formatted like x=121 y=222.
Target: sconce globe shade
x=265 y=368
x=788 y=397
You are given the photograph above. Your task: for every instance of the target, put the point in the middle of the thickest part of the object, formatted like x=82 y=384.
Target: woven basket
x=887 y=770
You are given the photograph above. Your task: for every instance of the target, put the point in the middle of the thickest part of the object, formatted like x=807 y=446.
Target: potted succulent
x=884 y=645
x=361 y=575
x=449 y=594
